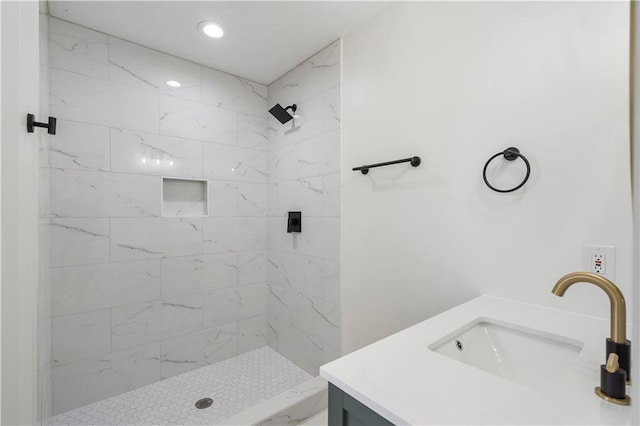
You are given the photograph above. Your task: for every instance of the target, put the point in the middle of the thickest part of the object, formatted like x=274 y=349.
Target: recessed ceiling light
x=211 y=29
x=173 y=83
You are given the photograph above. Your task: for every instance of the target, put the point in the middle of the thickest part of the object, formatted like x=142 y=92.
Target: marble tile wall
x=304 y=175
x=137 y=297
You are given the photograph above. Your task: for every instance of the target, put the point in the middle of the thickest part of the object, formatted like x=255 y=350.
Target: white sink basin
x=514 y=353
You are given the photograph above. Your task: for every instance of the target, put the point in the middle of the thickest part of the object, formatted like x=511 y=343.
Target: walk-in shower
x=177 y=295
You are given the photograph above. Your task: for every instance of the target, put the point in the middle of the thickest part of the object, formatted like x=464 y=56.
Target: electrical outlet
x=600 y=260
x=599 y=264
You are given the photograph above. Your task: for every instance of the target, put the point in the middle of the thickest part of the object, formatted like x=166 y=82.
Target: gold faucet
x=618 y=309
x=616 y=372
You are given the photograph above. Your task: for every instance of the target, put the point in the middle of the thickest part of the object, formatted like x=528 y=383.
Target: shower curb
x=290 y=407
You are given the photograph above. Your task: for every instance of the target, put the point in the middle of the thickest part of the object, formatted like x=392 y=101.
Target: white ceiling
x=263 y=39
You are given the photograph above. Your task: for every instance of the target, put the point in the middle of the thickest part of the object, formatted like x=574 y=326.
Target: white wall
x=19 y=213
x=455 y=83
x=44 y=275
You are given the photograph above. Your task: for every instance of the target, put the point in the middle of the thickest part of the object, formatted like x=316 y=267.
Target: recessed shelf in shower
x=184 y=197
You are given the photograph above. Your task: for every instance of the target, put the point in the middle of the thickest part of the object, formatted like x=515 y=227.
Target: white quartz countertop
x=401 y=379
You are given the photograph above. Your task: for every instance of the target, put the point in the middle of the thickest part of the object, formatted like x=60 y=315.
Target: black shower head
x=281 y=113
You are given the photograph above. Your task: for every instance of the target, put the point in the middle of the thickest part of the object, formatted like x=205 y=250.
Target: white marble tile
x=190 y=351
x=305 y=405
x=83 y=382
x=76 y=193
x=128 y=195
x=332 y=116
x=81 y=336
x=279 y=238
x=313 y=76
x=320 y=155
x=329 y=353
x=44 y=211
x=147 y=322
x=223 y=234
x=309 y=123
x=331 y=280
x=282 y=303
x=79 y=241
x=79 y=146
x=234 y=93
x=146 y=153
x=182 y=276
x=276 y=133
x=77 y=49
x=273 y=265
x=192 y=120
x=91 y=100
x=252 y=199
x=285 y=89
x=303 y=273
x=272 y=331
x=198 y=274
x=149 y=238
x=305 y=195
x=234 y=164
x=252 y=266
x=234 y=304
x=299 y=347
x=252 y=333
x=43 y=149
x=319 y=318
x=283 y=163
x=91 y=287
x=223 y=198
x=272 y=199
x=252 y=132
x=320 y=72
x=321 y=237
x=331 y=195
x=150 y=69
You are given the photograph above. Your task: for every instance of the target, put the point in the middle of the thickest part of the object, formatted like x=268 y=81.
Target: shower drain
x=204 y=403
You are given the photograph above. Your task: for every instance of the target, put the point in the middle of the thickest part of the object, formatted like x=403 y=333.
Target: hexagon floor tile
x=234 y=385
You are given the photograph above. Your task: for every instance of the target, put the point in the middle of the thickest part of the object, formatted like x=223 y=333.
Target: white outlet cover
x=609 y=253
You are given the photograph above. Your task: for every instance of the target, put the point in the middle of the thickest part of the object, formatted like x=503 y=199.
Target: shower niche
x=184 y=197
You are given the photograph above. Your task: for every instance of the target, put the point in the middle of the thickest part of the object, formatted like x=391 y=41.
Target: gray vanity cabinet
x=344 y=410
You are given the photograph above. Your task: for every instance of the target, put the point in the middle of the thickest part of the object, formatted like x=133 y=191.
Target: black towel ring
x=509 y=154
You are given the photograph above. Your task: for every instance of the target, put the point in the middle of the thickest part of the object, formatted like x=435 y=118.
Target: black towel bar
x=415 y=162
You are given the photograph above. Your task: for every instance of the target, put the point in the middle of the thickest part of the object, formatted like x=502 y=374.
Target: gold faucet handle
x=612 y=363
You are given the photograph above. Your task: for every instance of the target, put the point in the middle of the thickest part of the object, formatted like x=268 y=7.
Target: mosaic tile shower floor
x=234 y=385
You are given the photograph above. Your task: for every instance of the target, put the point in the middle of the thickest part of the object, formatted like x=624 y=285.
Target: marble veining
x=184 y=353
x=83 y=147
x=77 y=49
x=84 y=288
x=78 y=241
x=147 y=153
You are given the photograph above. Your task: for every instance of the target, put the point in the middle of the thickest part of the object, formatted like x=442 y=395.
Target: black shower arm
x=293 y=107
